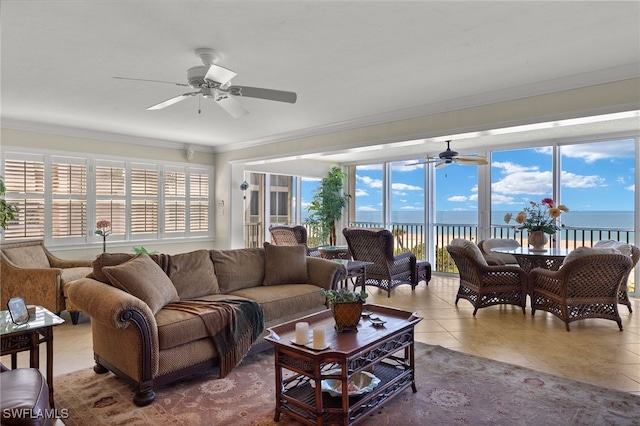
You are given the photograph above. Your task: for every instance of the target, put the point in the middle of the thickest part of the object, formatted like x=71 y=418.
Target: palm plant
x=327 y=205
x=7 y=211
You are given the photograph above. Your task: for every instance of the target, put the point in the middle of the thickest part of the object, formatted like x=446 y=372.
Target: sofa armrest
x=107 y=304
x=37 y=286
x=324 y=273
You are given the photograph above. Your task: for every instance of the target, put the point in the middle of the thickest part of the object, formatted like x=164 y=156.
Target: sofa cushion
x=28 y=256
x=143 y=278
x=586 y=251
x=108 y=259
x=278 y=301
x=285 y=264
x=192 y=274
x=176 y=327
x=238 y=268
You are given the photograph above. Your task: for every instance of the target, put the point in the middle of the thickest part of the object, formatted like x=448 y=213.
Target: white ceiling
x=351 y=63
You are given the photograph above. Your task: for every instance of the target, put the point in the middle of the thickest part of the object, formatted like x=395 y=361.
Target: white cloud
x=367 y=209
x=620 y=179
x=361 y=193
x=370 y=182
x=631 y=188
x=591 y=153
x=398 y=193
x=537 y=183
x=501 y=199
x=507 y=167
x=458 y=198
x=410 y=208
x=405 y=187
x=370 y=167
x=571 y=180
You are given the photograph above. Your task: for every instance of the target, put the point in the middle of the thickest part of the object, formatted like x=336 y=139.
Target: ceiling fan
x=449 y=156
x=214 y=82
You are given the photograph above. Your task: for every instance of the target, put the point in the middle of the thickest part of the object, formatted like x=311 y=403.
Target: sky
x=596 y=176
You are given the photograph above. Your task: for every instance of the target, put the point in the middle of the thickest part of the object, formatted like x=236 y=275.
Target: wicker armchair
x=483 y=284
x=493 y=258
x=388 y=271
x=586 y=286
x=291 y=235
x=634 y=252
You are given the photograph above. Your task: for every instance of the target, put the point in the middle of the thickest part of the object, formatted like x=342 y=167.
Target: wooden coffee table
x=386 y=351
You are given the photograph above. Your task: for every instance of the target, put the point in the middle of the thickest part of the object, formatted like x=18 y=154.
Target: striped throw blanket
x=232 y=324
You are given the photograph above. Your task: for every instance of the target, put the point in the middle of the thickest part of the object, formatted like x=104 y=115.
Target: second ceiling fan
x=449 y=157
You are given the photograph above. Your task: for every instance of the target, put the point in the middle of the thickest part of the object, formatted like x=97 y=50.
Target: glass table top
x=42 y=318
x=527 y=251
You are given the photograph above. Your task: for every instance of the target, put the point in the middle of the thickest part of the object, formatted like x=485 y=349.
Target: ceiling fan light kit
x=214 y=82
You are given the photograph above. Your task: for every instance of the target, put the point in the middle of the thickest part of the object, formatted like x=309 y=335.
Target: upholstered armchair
x=388 y=271
x=586 y=286
x=29 y=270
x=291 y=235
x=483 y=284
x=633 y=252
x=493 y=258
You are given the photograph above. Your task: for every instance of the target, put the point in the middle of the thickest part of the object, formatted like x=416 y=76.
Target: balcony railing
x=411 y=237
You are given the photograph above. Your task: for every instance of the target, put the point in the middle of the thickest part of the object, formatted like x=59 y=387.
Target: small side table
x=28 y=337
x=356 y=269
x=334 y=252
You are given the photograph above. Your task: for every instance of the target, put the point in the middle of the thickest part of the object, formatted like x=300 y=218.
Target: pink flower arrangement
x=542 y=216
x=104 y=227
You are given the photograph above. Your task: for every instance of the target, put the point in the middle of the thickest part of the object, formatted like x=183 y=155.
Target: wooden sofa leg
x=100 y=369
x=75 y=316
x=144 y=397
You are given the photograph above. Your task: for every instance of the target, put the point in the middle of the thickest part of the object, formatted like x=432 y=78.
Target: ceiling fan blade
x=441 y=165
x=269 y=94
x=233 y=107
x=219 y=74
x=471 y=160
x=172 y=101
x=153 y=81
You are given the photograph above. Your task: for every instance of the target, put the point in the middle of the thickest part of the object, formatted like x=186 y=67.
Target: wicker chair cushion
x=623 y=248
x=581 y=252
x=471 y=248
x=143 y=278
x=285 y=264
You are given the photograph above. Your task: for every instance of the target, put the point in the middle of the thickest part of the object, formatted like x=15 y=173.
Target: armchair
x=291 y=235
x=586 y=286
x=634 y=253
x=388 y=271
x=29 y=270
x=483 y=284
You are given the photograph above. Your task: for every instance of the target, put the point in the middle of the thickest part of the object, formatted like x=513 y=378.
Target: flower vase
x=347 y=315
x=538 y=240
x=104 y=243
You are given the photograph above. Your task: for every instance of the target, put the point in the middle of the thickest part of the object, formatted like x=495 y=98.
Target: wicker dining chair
x=291 y=235
x=483 y=284
x=388 y=271
x=494 y=258
x=634 y=253
x=586 y=286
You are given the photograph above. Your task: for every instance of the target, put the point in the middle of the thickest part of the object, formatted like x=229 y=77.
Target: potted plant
x=346 y=306
x=327 y=205
x=7 y=211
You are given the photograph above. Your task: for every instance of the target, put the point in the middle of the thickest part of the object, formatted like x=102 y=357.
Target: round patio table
x=528 y=259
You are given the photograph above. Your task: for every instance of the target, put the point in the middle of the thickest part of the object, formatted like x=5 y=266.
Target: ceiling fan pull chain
x=199 y=104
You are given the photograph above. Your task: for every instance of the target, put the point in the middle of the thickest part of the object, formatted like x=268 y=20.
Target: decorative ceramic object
x=346 y=306
x=538 y=240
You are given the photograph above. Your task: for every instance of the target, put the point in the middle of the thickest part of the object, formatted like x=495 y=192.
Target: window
x=25 y=183
x=62 y=197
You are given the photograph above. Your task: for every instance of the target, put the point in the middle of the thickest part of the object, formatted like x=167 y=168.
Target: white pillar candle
x=302 y=333
x=318 y=337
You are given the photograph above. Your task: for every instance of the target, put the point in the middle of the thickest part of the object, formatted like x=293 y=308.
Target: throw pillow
x=192 y=274
x=143 y=278
x=586 y=251
x=285 y=264
x=623 y=248
x=238 y=268
x=108 y=259
x=471 y=247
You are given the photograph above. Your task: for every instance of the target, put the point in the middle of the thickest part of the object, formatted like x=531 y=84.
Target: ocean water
x=579 y=219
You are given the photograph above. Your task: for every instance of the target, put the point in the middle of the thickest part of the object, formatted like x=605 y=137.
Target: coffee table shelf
x=387 y=352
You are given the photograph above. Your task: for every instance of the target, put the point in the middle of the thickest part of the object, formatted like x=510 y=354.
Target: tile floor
x=593 y=351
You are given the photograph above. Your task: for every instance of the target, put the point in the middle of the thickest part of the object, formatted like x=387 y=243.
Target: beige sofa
x=150 y=345
x=30 y=271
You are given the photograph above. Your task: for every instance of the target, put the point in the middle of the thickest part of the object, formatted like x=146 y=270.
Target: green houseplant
x=7 y=211
x=346 y=306
x=327 y=205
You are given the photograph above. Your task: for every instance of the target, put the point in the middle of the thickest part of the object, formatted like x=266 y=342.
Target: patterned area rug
x=453 y=389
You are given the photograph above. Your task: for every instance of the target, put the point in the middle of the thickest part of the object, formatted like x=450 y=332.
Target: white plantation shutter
x=144 y=199
x=174 y=200
x=111 y=194
x=69 y=197
x=25 y=184
x=199 y=201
